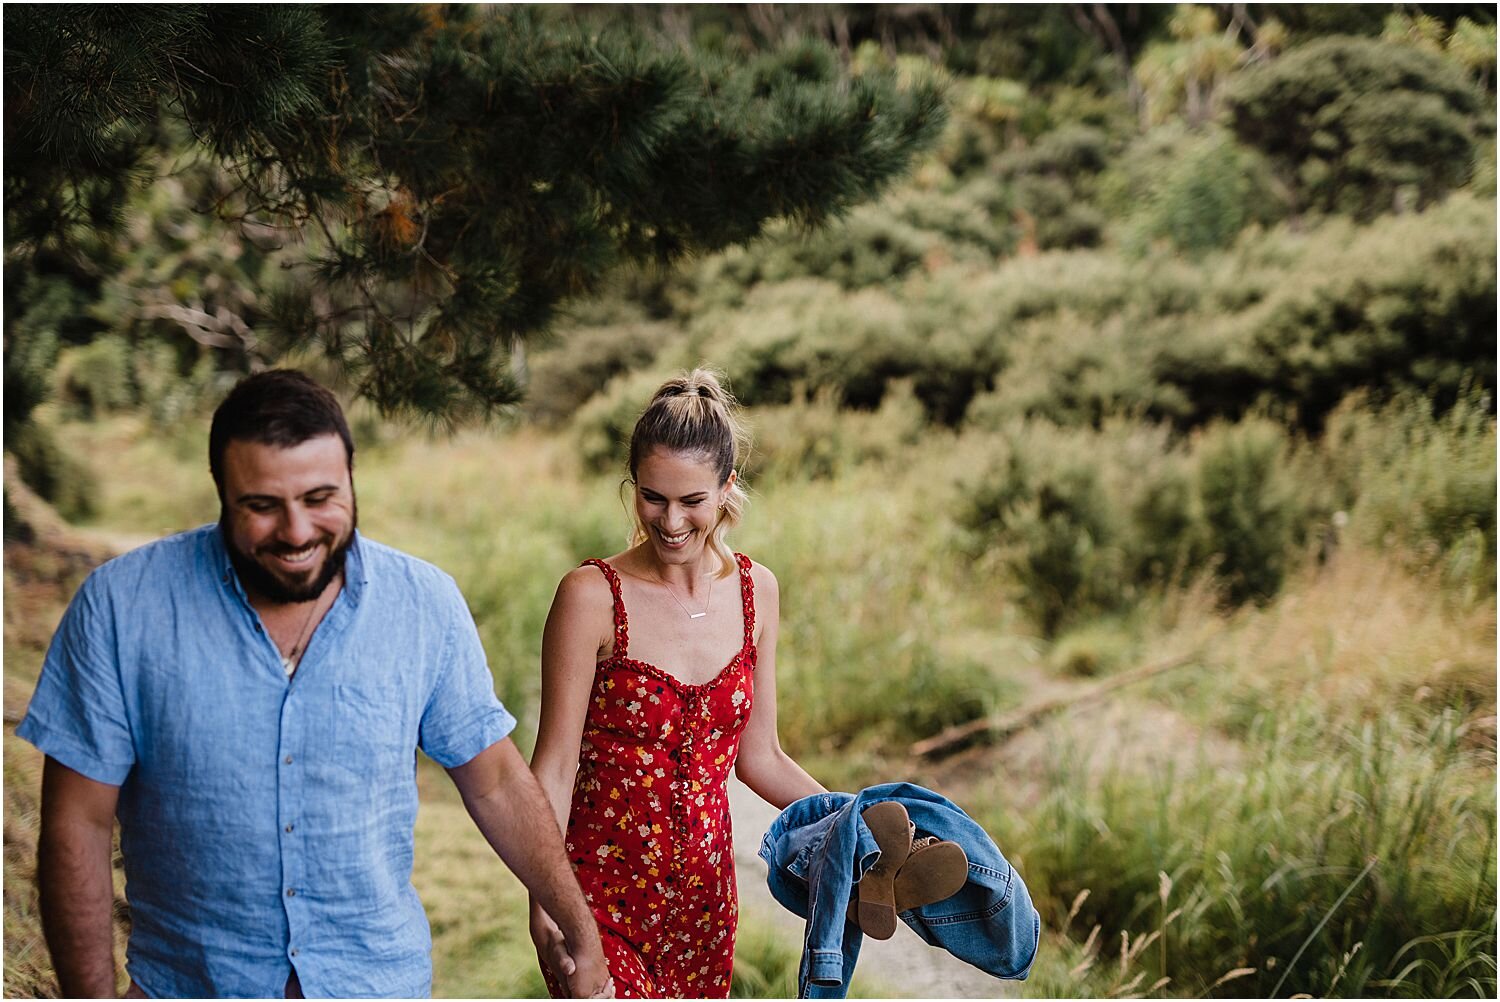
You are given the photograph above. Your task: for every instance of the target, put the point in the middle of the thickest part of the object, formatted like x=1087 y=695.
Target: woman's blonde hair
x=695 y=415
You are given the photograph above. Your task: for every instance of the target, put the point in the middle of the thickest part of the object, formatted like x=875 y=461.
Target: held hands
x=585 y=976
x=550 y=944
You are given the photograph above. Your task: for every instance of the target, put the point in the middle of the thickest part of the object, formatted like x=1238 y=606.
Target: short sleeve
x=77 y=714
x=463 y=716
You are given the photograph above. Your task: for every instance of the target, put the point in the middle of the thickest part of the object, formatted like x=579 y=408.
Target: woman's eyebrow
x=698 y=495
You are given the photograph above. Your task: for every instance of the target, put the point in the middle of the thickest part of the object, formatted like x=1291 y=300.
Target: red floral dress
x=649 y=831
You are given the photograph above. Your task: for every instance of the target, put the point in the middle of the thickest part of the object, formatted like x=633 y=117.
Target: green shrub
x=172 y=387
x=1482 y=182
x=95 y=378
x=39 y=311
x=1286 y=320
x=1354 y=122
x=1181 y=77
x=800 y=337
x=971 y=223
x=1070 y=153
x=870 y=248
x=1251 y=513
x=1052 y=181
x=1089 y=651
x=111 y=374
x=1206 y=195
x=986 y=116
x=1172 y=538
x=571 y=369
x=1061 y=219
x=1084 y=523
x=813 y=438
x=909 y=232
x=603 y=425
x=1043 y=511
x=57 y=477
x=1421 y=484
x=1408 y=303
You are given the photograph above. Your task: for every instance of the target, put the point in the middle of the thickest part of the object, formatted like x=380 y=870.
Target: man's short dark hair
x=280 y=407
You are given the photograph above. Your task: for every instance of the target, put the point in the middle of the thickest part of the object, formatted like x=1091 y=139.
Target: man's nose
x=297 y=527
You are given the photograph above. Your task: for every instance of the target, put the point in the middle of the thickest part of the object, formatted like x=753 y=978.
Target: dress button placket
x=684 y=783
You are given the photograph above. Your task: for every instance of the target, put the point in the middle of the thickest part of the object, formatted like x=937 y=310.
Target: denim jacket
x=819 y=847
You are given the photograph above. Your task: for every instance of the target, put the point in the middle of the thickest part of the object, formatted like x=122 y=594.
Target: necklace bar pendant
x=697 y=615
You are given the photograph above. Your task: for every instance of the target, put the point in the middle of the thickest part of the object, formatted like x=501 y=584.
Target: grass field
x=1306 y=805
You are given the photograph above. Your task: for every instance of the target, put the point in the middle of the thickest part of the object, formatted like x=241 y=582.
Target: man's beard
x=257 y=580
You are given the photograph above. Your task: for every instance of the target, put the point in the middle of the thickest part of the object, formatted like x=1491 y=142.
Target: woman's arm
x=577 y=625
x=762 y=765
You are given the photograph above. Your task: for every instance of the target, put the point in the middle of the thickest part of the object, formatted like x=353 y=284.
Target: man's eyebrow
x=250 y=496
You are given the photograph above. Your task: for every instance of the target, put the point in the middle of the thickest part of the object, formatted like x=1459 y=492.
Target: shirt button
x=291 y=892
x=294 y=951
x=288 y=829
x=287 y=760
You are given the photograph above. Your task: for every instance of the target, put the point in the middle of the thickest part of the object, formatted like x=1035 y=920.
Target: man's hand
x=74 y=878
x=583 y=982
x=509 y=807
x=589 y=982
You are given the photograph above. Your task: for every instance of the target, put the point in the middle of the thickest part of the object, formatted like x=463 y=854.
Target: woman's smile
x=675 y=542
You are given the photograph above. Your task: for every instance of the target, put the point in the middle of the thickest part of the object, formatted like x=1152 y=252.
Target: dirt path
x=902 y=965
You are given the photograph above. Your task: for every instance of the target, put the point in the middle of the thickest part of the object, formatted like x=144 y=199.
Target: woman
x=645 y=711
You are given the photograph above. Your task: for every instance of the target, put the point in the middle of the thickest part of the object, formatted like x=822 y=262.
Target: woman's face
x=677 y=498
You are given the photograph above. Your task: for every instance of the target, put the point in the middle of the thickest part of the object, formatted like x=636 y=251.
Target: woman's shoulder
x=586 y=585
x=764 y=580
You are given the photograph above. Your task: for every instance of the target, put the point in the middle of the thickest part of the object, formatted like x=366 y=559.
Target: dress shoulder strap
x=747 y=596
x=622 y=625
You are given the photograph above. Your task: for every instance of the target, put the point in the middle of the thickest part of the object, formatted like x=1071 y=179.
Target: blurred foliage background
x=1074 y=338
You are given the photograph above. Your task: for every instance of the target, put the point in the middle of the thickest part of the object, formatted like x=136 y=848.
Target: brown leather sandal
x=874 y=909
x=934 y=870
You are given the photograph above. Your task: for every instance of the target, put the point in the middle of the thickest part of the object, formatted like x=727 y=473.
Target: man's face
x=288 y=515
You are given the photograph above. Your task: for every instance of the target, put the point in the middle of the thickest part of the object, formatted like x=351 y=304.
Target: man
x=248 y=698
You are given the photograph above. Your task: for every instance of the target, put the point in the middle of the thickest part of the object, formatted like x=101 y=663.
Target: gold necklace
x=706 y=602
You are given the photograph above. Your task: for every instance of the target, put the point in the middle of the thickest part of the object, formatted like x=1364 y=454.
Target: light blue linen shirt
x=266 y=823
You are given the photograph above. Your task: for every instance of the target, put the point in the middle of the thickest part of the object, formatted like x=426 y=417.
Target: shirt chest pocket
x=372 y=728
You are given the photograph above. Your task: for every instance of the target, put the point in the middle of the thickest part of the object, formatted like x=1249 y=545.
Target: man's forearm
x=510 y=808
x=518 y=822
x=77 y=899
